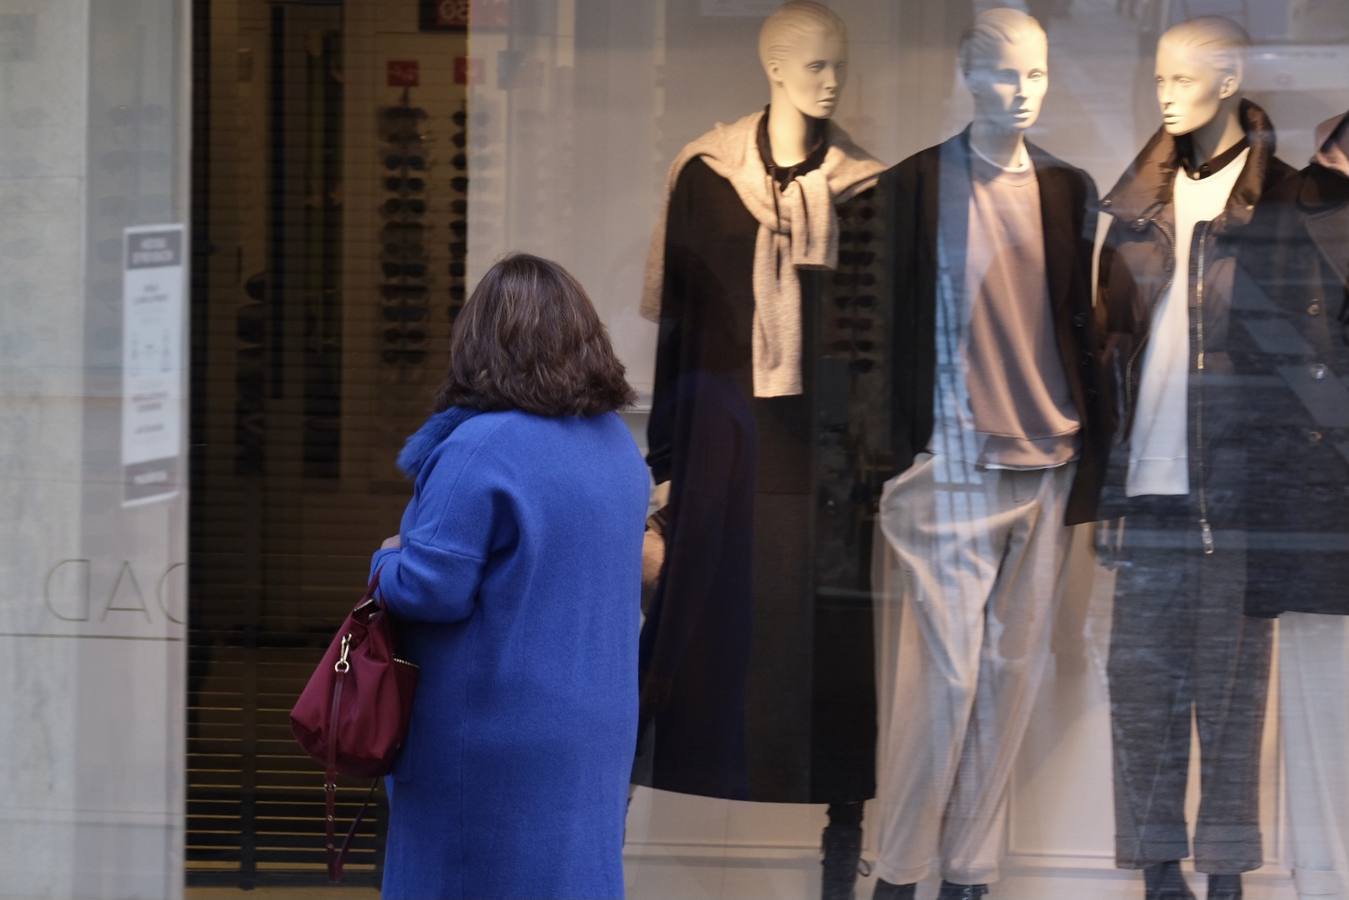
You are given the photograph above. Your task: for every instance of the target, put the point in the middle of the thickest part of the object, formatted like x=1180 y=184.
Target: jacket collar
x=429 y=436
x=1144 y=190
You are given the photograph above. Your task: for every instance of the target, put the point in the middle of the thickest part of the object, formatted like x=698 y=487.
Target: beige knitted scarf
x=798 y=227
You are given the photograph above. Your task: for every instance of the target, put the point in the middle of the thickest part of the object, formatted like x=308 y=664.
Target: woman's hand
x=392 y=543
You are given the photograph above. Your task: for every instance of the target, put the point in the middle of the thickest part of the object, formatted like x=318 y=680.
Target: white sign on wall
x=153 y=285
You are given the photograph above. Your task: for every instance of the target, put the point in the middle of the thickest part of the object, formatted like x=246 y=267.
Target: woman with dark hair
x=516 y=579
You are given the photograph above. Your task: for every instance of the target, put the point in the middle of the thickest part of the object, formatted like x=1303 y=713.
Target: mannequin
x=1308 y=280
x=998 y=454
x=753 y=688
x=1173 y=278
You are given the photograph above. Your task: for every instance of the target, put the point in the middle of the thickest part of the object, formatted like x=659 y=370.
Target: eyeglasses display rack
x=403 y=237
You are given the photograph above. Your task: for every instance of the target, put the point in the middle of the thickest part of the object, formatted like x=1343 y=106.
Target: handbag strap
x=337 y=856
x=335 y=859
x=370 y=597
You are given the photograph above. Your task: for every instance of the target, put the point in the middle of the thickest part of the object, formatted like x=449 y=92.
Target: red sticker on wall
x=403 y=73
x=467 y=70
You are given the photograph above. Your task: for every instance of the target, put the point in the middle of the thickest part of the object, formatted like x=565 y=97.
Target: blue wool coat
x=517 y=589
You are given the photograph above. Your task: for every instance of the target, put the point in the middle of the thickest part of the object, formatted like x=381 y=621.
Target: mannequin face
x=1009 y=88
x=1190 y=89
x=812 y=74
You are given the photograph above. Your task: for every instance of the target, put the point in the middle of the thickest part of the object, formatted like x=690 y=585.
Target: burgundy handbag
x=353 y=714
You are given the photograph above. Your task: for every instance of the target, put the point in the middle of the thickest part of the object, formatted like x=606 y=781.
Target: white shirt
x=1159 y=442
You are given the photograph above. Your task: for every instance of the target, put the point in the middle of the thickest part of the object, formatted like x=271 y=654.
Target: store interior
x=358 y=164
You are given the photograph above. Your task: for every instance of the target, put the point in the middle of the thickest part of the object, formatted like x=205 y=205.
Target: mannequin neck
x=1220 y=133
x=790 y=131
x=1002 y=147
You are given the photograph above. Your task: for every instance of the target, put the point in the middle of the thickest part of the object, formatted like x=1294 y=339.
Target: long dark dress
x=756 y=657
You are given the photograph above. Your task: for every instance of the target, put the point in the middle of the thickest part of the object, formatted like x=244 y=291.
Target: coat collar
x=1322 y=188
x=429 y=436
x=1323 y=201
x=1144 y=189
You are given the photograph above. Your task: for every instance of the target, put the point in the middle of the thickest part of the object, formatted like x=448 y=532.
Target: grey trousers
x=1182 y=650
x=970 y=566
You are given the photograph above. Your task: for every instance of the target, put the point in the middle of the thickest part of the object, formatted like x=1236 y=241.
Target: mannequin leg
x=942 y=537
x=1231 y=676
x=1019 y=621
x=1313 y=669
x=841 y=850
x=1152 y=645
x=1165 y=881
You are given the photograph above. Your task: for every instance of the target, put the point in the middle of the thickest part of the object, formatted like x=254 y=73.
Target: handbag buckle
x=342 y=666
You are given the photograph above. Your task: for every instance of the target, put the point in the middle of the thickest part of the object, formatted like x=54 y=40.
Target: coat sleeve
x=660 y=432
x=1116 y=292
x=460 y=514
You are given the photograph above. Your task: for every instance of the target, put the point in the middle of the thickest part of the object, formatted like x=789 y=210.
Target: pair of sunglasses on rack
x=404 y=357
x=404 y=184
x=404 y=270
x=403 y=291
x=401 y=206
x=400 y=334
x=864 y=301
x=405 y=251
x=403 y=232
x=855 y=258
x=404 y=313
x=396 y=161
x=854 y=279
x=859 y=346
x=405 y=137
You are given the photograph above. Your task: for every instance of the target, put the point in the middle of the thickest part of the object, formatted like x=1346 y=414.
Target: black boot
x=841 y=851
x=1165 y=881
x=887 y=891
x=952 y=891
x=1224 y=887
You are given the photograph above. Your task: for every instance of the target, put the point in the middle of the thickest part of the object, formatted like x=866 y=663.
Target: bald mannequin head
x=1005 y=61
x=1200 y=64
x=803 y=47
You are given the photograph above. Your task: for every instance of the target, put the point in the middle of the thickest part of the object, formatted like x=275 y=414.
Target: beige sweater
x=799 y=229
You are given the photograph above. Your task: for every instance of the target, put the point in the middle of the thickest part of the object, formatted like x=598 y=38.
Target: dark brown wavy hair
x=529 y=339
